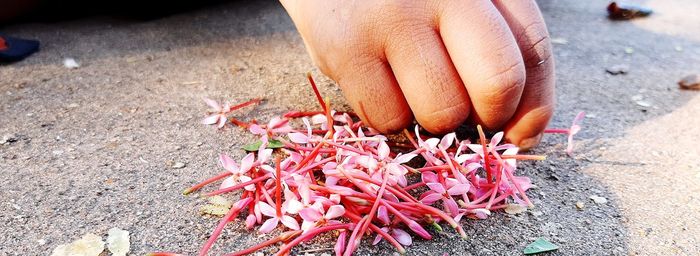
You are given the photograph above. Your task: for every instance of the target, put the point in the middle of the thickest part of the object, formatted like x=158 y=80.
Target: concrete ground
x=92 y=148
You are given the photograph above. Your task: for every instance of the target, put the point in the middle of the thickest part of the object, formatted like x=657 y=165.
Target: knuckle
x=505 y=82
x=446 y=119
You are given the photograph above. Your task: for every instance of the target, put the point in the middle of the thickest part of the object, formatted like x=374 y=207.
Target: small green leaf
x=539 y=246
x=256 y=145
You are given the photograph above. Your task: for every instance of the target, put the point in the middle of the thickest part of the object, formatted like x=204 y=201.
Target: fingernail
x=527 y=144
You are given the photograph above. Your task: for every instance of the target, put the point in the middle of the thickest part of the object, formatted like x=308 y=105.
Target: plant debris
x=618 y=69
x=624 y=11
x=218 y=206
x=690 y=82
x=118 y=241
x=334 y=174
x=539 y=246
x=88 y=245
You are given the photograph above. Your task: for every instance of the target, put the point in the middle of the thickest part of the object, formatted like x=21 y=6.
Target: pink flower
x=316 y=214
x=274 y=219
x=439 y=192
x=238 y=173
x=575 y=128
x=400 y=235
x=219 y=113
x=277 y=125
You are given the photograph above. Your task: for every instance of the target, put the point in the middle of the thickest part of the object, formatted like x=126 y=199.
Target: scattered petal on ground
x=88 y=245
x=599 y=199
x=118 y=241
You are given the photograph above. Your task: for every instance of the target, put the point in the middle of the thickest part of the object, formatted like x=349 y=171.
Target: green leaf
x=539 y=246
x=256 y=145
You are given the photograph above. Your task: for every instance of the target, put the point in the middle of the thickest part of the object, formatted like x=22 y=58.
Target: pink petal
x=222 y=121
x=476 y=148
x=451 y=206
x=250 y=221
x=306 y=225
x=267 y=209
x=432 y=143
x=401 y=236
x=249 y=187
x=496 y=139
x=430 y=197
x=292 y=206
x=228 y=182
x=264 y=155
x=310 y=214
x=247 y=162
x=228 y=163
x=211 y=119
x=335 y=211
x=377 y=239
x=458 y=189
x=437 y=187
x=269 y=225
x=213 y=104
x=383 y=215
x=256 y=129
x=447 y=141
x=429 y=177
x=400 y=159
x=308 y=126
x=340 y=244
x=383 y=150
x=290 y=222
x=298 y=138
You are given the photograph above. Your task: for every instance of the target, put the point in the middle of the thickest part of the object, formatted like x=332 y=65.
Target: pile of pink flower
x=332 y=174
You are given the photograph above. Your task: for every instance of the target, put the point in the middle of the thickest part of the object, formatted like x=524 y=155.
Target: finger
x=537 y=102
x=372 y=91
x=431 y=85
x=486 y=57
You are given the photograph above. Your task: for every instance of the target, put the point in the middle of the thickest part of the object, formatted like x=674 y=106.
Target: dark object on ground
x=690 y=82
x=15 y=49
x=618 y=69
x=624 y=11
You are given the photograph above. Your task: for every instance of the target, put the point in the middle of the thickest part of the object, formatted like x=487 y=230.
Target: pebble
x=580 y=205
x=643 y=103
x=118 y=241
x=515 y=209
x=41 y=241
x=559 y=40
x=599 y=199
x=618 y=69
x=70 y=63
x=690 y=82
x=179 y=165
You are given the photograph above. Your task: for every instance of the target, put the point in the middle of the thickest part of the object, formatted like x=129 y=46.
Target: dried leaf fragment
x=88 y=245
x=623 y=11
x=118 y=241
x=218 y=206
x=690 y=82
x=515 y=209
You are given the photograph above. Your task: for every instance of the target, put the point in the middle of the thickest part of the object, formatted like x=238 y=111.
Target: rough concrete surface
x=92 y=148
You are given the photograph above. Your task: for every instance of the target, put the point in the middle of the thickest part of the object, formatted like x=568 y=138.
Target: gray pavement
x=95 y=145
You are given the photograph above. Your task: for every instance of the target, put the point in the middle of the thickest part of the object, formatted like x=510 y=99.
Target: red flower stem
x=487 y=166
x=278 y=189
x=245 y=104
x=281 y=238
x=412 y=224
x=163 y=254
x=217 y=231
x=353 y=245
x=523 y=157
x=396 y=192
x=311 y=233
x=318 y=94
x=239 y=123
x=268 y=198
x=564 y=131
x=298 y=114
x=410 y=138
x=434 y=168
x=239 y=185
x=353 y=237
x=384 y=234
x=414 y=185
x=311 y=166
x=206 y=182
x=509 y=174
x=496 y=186
x=329 y=117
x=443 y=216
